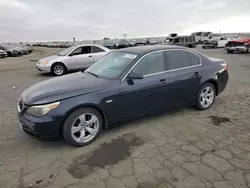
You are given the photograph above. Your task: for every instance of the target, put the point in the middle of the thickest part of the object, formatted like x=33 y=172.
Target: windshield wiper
x=92 y=74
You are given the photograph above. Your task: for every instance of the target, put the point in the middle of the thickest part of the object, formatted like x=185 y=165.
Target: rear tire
x=58 y=69
x=82 y=127
x=230 y=52
x=206 y=96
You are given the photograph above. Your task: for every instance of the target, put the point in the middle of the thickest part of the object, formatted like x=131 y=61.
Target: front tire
x=229 y=52
x=58 y=69
x=206 y=96
x=82 y=127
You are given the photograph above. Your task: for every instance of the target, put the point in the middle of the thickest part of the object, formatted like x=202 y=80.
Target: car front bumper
x=236 y=48
x=43 y=68
x=3 y=55
x=45 y=127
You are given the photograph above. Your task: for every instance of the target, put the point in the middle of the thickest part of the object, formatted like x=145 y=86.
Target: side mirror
x=135 y=75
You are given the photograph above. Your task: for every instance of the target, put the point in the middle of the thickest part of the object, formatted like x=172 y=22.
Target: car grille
x=234 y=44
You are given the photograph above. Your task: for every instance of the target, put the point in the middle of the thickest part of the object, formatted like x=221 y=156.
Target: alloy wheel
x=207 y=97
x=58 y=70
x=85 y=128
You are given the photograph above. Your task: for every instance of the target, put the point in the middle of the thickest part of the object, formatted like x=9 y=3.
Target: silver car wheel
x=58 y=70
x=207 y=97
x=85 y=128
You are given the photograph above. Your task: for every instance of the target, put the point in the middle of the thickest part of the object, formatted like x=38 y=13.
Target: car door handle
x=163 y=81
x=90 y=56
x=196 y=74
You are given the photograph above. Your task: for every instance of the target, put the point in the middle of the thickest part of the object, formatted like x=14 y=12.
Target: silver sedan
x=72 y=58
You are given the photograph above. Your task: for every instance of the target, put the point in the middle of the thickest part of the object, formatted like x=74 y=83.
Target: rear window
x=195 y=59
x=95 y=49
x=178 y=59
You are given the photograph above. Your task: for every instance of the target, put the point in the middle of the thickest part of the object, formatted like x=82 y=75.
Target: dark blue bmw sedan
x=123 y=84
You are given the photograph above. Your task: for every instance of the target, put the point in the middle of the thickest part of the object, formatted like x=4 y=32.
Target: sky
x=50 y=20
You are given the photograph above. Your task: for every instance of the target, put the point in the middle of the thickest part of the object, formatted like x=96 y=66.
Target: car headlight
x=44 y=62
x=41 y=110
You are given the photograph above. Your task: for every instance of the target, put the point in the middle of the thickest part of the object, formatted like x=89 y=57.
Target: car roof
x=149 y=48
x=81 y=45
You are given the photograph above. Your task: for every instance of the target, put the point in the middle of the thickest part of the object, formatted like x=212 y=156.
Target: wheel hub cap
x=85 y=128
x=58 y=69
x=207 y=97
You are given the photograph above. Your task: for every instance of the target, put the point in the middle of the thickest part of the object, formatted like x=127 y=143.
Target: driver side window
x=151 y=64
x=81 y=50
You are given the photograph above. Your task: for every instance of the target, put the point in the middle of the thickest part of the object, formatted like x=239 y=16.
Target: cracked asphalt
x=182 y=148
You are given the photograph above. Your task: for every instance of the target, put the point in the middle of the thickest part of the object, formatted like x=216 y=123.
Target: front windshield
x=112 y=65
x=66 y=51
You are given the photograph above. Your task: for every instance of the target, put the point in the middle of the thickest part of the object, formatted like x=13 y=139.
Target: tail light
x=225 y=66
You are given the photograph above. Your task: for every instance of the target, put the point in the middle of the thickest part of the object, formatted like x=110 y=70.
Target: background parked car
x=109 y=44
x=21 y=48
x=123 y=44
x=216 y=42
x=140 y=42
x=187 y=41
x=26 y=47
x=240 y=45
x=3 y=54
x=72 y=58
x=153 y=41
x=10 y=50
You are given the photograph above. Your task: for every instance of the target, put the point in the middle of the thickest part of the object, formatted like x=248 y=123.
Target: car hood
x=63 y=87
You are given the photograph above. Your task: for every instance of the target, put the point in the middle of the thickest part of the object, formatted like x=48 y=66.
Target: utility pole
x=125 y=36
x=74 y=39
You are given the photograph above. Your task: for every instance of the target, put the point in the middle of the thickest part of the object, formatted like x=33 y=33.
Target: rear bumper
x=236 y=48
x=222 y=80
